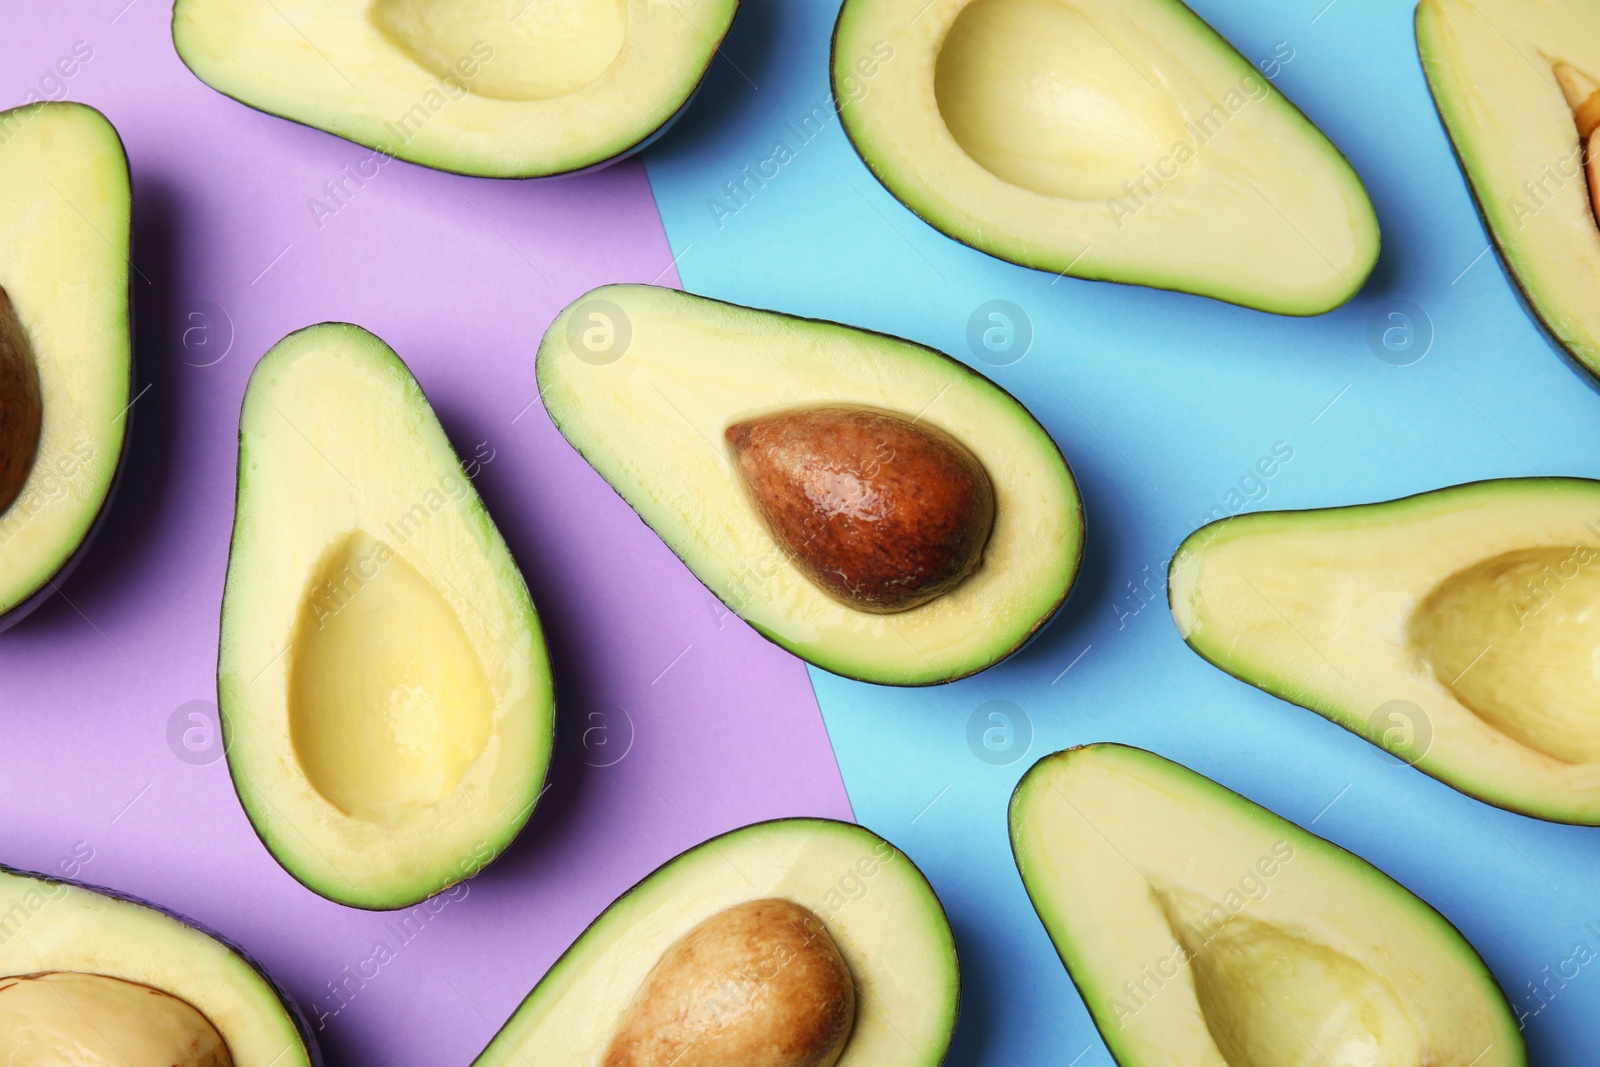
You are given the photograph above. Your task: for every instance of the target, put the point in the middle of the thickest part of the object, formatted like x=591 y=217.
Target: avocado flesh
x=497 y=88
x=879 y=911
x=1491 y=66
x=68 y=944
x=383 y=679
x=1202 y=930
x=90 y=1020
x=65 y=207
x=1474 y=606
x=1105 y=139
x=651 y=422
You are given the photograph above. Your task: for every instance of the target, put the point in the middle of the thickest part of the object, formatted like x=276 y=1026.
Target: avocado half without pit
x=1119 y=140
x=494 y=88
x=89 y=978
x=66 y=354
x=1456 y=629
x=793 y=943
x=1514 y=84
x=1202 y=929
x=865 y=502
x=383 y=680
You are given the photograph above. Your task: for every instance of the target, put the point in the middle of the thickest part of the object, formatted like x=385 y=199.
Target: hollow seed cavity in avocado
x=760 y=984
x=94 y=1020
x=883 y=512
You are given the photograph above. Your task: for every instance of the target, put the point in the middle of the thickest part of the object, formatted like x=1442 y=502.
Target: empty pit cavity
x=1516 y=639
x=388 y=703
x=67 y=1017
x=508 y=49
x=1040 y=97
x=1272 y=998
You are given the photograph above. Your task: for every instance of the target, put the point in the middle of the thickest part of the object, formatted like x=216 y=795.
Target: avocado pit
x=21 y=407
x=883 y=512
x=761 y=984
x=91 y=1020
x=1583 y=96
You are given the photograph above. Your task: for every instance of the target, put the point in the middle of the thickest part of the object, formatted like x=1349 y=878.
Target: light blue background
x=1161 y=402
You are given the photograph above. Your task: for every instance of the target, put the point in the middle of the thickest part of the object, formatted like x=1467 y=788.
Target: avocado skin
x=53 y=583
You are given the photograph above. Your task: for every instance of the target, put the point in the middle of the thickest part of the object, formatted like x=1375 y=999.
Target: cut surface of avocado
x=645 y=383
x=1456 y=628
x=874 y=906
x=385 y=689
x=65 y=347
x=1202 y=930
x=497 y=88
x=95 y=980
x=1105 y=139
x=1496 y=71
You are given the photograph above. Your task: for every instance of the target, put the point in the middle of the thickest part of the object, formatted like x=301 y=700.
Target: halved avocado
x=1118 y=140
x=1455 y=628
x=80 y=967
x=494 y=88
x=1492 y=66
x=646 y=384
x=1202 y=930
x=383 y=680
x=66 y=356
x=873 y=903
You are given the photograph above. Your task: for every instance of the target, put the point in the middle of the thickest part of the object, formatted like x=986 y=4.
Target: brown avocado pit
x=67 y=1017
x=1583 y=96
x=760 y=984
x=883 y=512
x=21 y=408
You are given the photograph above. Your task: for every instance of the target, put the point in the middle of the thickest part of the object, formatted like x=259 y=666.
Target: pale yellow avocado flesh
x=876 y=906
x=1106 y=139
x=1491 y=66
x=104 y=954
x=651 y=421
x=499 y=88
x=64 y=230
x=1204 y=931
x=1457 y=627
x=385 y=688
x=90 y=1020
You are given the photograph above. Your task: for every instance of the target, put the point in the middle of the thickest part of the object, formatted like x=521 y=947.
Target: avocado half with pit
x=493 y=88
x=815 y=936
x=1117 y=140
x=383 y=681
x=66 y=355
x=1456 y=629
x=866 y=502
x=1515 y=86
x=88 y=977
x=1201 y=929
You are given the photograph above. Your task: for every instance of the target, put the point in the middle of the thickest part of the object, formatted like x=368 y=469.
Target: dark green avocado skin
x=53 y=583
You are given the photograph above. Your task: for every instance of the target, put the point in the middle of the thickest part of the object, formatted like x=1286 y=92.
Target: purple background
x=461 y=276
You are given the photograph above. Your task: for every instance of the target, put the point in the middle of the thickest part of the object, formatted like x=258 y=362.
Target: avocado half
x=1116 y=140
x=1490 y=65
x=1202 y=929
x=66 y=353
x=1454 y=628
x=644 y=382
x=874 y=903
x=55 y=928
x=383 y=681
x=492 y=88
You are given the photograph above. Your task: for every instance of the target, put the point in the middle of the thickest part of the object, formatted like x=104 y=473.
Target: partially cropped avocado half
x=90 y=978
x=1514 y=83
x=1118 y=140
x=66 y=357
x=494 y=88
x=793 y=943
x=1456 y=629
x=1201 y=929
x=383 y=681
x=869 y=504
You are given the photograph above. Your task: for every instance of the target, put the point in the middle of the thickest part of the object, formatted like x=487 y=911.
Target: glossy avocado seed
x=21 y=409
